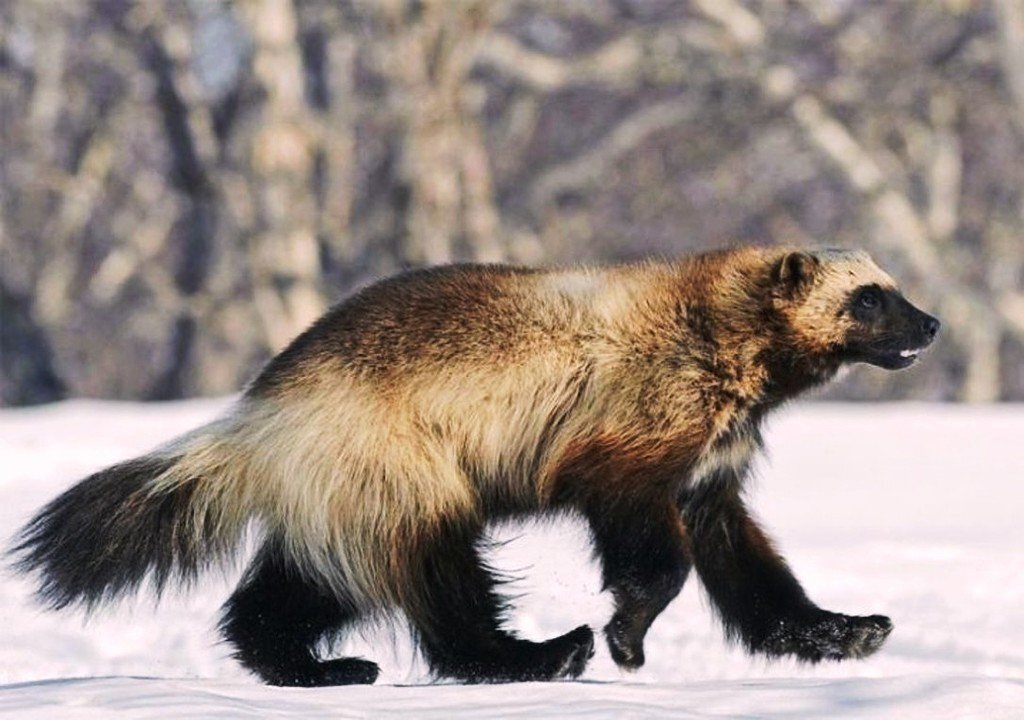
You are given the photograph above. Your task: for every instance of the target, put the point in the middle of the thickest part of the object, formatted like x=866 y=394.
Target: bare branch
x=743 y=25
x=630 y=132
x=614 y=64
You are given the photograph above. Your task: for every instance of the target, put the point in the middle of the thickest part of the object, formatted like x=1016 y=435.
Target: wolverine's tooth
x=908 y=353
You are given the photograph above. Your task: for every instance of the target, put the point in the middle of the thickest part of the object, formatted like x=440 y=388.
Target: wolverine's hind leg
x=275 y=618
x=451 y=599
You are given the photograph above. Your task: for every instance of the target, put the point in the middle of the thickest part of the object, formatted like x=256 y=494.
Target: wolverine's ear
x=794 y=273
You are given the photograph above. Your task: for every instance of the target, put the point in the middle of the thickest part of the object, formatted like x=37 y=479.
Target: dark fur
x=276 y=617
x=760 y=602
x=101 y=538
x=458 y=615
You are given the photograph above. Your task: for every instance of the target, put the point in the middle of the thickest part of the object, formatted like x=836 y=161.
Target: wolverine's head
x=839 y=304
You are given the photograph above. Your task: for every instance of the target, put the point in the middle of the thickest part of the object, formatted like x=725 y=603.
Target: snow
x=908 y=510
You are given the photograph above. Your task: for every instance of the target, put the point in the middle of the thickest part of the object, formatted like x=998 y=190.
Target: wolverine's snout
x=919 y=330
x=930 y=325
x=891 y=332
x=922 y=328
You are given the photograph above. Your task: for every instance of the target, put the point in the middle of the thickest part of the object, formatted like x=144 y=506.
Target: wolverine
x=371 y=454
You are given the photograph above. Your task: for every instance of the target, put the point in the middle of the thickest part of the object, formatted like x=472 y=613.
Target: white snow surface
x=913 y=511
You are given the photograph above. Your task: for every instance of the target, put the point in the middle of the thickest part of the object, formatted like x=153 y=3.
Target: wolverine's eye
x=869 y=299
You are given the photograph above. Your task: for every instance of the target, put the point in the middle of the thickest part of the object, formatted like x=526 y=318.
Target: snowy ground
x=911 y=511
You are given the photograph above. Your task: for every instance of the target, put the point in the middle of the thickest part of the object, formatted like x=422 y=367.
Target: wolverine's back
x=422 y=320
x=437 y=319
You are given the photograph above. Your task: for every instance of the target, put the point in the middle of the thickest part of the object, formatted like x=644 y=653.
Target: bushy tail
x=104 y=536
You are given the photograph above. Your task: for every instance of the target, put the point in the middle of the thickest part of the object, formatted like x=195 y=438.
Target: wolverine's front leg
x=642 y=548
x=758 y=598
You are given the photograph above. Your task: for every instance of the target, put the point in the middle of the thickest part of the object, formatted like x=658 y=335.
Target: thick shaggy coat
x=372 y=452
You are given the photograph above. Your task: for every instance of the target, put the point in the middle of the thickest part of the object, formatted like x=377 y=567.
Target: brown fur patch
x=611 y=465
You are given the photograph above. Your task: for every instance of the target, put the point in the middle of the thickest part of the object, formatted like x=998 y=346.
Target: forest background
x=186 y=184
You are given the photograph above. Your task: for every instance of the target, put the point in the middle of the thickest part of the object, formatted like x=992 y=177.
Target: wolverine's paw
x=829 y=636
x=565 y=656
x=579 y=648
x=517 y=660
x=311 y=673
x=626 y=647
x=349 y=671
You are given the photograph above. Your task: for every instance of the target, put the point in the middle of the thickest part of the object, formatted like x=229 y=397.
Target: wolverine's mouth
x=897 y=359
x=886 y=358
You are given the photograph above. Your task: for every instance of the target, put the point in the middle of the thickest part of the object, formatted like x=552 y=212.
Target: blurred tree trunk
x=443 y=175
x=285 y=252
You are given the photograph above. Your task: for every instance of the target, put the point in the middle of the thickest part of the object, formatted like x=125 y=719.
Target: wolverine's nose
x=930 y=326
